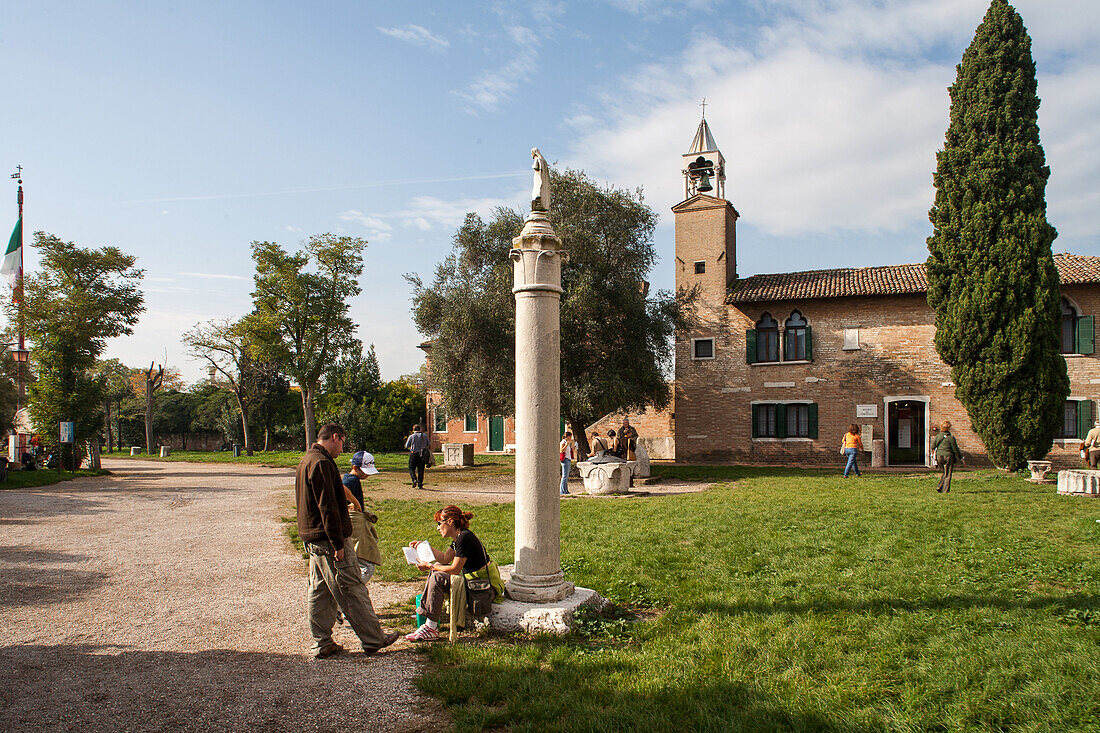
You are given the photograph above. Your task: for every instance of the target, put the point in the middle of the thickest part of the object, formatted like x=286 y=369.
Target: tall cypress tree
x=991 y=276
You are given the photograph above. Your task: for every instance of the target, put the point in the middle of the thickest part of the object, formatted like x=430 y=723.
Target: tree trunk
x=307 y=411
x=107 y=422
x=577 y=424
x=93 y=454
x=149 y=417
x=243 y=405
x=267 y=438
x=118 y=420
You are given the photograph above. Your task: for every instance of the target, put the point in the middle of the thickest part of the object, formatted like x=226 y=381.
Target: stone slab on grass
x=543 y=618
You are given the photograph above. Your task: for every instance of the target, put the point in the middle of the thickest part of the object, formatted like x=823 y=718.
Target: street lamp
x=20 y=355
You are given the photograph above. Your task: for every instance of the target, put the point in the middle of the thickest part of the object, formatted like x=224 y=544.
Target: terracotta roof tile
x=890 y=280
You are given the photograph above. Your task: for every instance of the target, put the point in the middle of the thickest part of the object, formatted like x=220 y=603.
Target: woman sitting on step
x=465 y=556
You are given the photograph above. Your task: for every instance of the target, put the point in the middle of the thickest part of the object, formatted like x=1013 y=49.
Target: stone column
x=536 y=260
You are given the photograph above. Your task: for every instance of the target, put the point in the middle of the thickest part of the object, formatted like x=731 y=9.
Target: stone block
x=543 y=618
x=1079 y=482
x=165 y=451
x=605 y=478
x=458 y=455
x=1039 y=470
x=641 y=462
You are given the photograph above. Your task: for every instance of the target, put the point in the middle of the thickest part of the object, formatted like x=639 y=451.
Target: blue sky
x=183 y=132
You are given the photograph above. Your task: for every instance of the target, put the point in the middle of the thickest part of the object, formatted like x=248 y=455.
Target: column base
x=538 y=588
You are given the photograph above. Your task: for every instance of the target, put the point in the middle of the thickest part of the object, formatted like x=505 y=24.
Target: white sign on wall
x=866 y=410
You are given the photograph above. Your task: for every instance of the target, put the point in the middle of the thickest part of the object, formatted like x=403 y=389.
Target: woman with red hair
x=466 y=556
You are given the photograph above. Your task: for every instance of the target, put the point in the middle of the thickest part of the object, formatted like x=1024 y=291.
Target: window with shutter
x=1084 y=418
x=750 y=346
x=1085 y=340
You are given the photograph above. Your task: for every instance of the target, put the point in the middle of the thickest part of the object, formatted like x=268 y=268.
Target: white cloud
x=831 y=123
x=377 y=229
x=428 y=212
x=216 y=276
x=417 y=35
x=662 y=8
x=293 y=230
x=494 y=87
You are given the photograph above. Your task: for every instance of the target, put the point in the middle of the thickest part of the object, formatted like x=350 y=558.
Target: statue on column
x=540 y=190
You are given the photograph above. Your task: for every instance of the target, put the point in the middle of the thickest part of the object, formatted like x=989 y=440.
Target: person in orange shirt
x=850 y=447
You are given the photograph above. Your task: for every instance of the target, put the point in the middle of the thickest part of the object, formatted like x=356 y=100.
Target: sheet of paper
x=410 y=555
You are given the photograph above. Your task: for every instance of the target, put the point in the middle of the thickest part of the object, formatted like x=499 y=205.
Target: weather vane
x=18 y=175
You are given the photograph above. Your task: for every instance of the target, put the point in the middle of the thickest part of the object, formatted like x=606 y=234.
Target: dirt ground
x=167 y=597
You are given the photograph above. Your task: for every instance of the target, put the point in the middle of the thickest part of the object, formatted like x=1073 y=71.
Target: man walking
x=324 y=526
x=416 y=445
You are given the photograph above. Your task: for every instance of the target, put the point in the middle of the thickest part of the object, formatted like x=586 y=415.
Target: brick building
x=781 y=364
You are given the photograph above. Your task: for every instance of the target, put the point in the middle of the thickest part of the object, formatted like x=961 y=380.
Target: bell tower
x=706 y=227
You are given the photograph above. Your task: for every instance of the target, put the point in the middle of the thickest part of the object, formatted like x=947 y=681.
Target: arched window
x=794 y=338
x=1069 y=328
x=767 y=339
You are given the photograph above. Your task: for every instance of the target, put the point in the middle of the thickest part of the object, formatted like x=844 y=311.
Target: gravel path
x=166 y=597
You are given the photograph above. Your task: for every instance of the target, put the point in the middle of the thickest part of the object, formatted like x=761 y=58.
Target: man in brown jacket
x=324 y=526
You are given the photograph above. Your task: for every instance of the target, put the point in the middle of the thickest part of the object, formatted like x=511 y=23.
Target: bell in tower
x=704 y=164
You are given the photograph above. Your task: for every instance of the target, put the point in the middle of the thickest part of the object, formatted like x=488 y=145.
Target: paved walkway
x=166 y=597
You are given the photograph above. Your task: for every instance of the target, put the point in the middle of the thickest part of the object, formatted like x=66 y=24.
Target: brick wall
x=656 y=429
x=896 y=360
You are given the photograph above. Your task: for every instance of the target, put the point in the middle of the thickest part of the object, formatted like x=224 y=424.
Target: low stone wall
x=1079 y=482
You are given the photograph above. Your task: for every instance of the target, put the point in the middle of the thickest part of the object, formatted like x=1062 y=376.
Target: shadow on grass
x=574 y=693
x=889 y=605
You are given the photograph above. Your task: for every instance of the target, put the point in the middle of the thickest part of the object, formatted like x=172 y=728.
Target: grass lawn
x=796 y=600
x=30 y=479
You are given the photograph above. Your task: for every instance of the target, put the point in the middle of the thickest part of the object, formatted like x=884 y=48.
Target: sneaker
x=388 y=639
x=328 y=651
x=565 y=493
x=424 y=633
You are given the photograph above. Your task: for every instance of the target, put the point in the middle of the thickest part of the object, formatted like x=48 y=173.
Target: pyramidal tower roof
x=703 y=141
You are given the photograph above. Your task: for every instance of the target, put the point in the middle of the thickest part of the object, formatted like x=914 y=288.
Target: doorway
x=496 y=433
x=906 y=431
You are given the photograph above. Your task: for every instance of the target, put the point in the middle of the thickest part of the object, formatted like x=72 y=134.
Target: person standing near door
x=850 y=447
x=947 y=452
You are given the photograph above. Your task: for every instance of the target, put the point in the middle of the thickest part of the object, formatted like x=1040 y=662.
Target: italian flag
x=13 y=257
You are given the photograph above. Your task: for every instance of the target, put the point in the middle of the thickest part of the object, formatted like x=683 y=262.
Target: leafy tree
x=145 y=384
x=77 y=300
x=991 y=276
x=272 y=403
x=114 y=377
x=223 y=343
x=398 y=406
x=616 y=343
x=300 y=319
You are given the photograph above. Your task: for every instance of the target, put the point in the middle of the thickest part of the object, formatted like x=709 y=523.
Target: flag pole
x=20 y=354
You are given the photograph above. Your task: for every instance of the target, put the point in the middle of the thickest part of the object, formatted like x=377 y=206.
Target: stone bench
x=1079 y=482
x=604 y=478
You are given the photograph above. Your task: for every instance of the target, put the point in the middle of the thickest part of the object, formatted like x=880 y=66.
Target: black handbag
x=479 y=597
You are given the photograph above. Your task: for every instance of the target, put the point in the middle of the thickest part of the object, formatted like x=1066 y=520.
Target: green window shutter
x=750 y=346
x=781 y=421
x=755 y=421
x=811 y=408
x=1084 y=418
x=1085 y=335
x=810 y=345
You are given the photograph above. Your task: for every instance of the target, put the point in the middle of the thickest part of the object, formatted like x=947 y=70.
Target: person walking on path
x=324 y=525
x=1092 y=445
x=850 y=447
x=417 y=445
x=363 y=534
x=946 y=449
x=568 y=454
